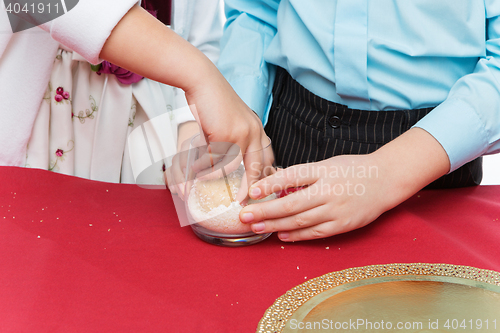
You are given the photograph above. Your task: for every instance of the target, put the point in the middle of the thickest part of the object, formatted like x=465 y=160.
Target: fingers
x=294 y=176
x=253 y=159
x=307 y=225
x=293 y=204
x=318 y=231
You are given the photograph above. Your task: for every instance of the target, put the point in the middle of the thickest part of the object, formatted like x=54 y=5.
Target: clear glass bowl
x=215 y=173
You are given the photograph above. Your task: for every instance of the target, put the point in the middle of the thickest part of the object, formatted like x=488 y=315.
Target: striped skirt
x=306 y=128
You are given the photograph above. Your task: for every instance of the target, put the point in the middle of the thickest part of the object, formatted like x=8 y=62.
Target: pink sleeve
x=86 y=27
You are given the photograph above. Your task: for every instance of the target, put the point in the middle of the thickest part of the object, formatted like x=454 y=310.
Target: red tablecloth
x=85 y=256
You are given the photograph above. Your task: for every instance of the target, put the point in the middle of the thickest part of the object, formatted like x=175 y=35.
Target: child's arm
x=348 y=191
x=143 y=45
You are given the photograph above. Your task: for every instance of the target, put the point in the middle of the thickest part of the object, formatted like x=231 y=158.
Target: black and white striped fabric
x=306 y=128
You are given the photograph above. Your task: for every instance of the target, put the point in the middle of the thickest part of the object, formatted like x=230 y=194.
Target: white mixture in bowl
x=210 y=205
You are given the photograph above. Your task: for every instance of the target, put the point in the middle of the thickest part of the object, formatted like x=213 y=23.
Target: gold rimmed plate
x=395 y=297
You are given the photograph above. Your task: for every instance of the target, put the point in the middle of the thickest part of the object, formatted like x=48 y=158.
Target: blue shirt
x=377 y=55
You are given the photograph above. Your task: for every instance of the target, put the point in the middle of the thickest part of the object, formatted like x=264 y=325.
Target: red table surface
x=86 y=256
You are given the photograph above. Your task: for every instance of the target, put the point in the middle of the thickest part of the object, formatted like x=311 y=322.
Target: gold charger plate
x=399 y=297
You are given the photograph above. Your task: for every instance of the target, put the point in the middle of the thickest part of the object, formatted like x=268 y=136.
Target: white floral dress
x=85 y=119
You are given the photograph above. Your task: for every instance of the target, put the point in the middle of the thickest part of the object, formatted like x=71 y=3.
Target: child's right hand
x=224 y=117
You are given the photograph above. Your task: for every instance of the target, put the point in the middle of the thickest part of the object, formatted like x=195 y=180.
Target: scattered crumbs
x=107 y=191
x=43 y=208
x=414 y=239
x=57 y=218
x=119 y=220
x=231 y=304
x=114 y=213
x=4 y=217
x=109 y=229
x=418 y=196
x=38 y=236
x=339 y=248
x=105 y=248
x=90 y=224
x=328 y=248
x=297 y=267
x=41 y=220
x=216 y=295
x=236 y=302
x=13 y=217
x=282 y=247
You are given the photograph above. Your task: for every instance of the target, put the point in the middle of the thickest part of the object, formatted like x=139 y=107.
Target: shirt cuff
x=459 y=130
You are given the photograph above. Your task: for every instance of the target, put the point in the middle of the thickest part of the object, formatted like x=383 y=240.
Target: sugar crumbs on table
x=414 y=239
x=216 y=295
x=297 y=267
x=38 y=236
x=305 y=277
x=107 y=191
x=282 y=247
x=109 y=229
x=119 y=220
x=328 y=248
x=418 y=196
x=41 y=220
x=90 y=224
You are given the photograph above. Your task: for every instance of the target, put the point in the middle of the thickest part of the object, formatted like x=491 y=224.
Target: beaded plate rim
x=277 y=315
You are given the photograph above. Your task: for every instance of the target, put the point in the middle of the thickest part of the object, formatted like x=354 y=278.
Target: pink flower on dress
x=123 y=75
x=58 y=98
x=65 y=95
x=59 y=152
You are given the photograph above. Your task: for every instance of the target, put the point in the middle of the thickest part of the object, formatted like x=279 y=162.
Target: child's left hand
x=345 y=192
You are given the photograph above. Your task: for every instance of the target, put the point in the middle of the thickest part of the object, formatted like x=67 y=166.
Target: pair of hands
x=345 y=192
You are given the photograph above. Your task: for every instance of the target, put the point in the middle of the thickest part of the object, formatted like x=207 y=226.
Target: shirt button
x=335 y=122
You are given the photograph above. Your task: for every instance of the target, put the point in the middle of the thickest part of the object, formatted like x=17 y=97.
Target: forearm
x=143 y=45
x=409 y=163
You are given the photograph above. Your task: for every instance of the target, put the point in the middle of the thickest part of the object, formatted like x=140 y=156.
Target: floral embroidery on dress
x=88 y=114
x=60 y=156
x=61 y=96
x=131 y=119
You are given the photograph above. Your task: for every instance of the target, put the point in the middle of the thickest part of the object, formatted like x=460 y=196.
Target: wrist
x=408 y=164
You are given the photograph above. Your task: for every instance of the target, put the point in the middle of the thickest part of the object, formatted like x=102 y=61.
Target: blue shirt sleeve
x=467 y=123
x=249 y=29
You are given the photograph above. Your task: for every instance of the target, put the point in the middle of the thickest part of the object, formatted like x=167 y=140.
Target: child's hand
x=345 y=192
x=340 y=194
x=224 y=117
